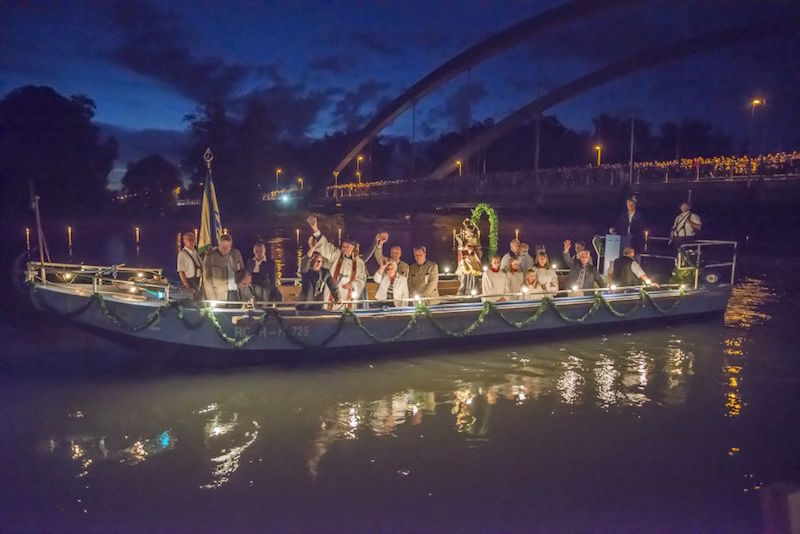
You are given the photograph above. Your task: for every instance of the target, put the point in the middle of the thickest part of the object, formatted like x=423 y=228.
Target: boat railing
x=692 y=257
x=104 y=279
x=143 y=284
x=564 y=296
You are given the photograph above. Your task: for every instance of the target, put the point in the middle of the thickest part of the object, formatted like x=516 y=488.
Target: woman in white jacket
x=392 y=286
x=546 y=276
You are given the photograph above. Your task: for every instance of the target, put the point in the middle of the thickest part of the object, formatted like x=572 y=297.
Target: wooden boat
x=139 y=303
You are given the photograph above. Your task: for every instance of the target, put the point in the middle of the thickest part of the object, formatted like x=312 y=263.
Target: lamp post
x=358 y=175
x=753 y=103
x=278 y=172
x=359 y=159
x=458 y=162
x=599 y=150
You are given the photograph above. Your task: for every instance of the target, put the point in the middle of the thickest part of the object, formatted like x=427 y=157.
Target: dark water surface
x=673 y=426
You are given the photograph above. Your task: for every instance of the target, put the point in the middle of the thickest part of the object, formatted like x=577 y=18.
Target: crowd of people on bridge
x=336 y=277
x=698 y=168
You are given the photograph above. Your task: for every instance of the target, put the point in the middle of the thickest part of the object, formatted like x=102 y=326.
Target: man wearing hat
x=347 y=269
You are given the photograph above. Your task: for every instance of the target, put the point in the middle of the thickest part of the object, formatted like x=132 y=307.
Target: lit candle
x=69 y=236
x=646 y=234
x=297 y=234
x=454 y=238
x=340 y=237
x=136 y=234
x=27 y=238
x=516 y=233
x=195 y=235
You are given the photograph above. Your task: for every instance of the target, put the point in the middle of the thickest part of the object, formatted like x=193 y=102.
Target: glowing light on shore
x=136 y=234
x=27 y=238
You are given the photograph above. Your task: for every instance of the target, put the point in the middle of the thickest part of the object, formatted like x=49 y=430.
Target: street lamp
x=358 y=176
x=753 y=103
x=359 y=159
x=278 y=172
x=458 y=162
x=599 y=150
x=300 y=181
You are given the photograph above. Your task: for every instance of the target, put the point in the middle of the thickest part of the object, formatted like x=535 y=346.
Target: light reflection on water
x=329 y=429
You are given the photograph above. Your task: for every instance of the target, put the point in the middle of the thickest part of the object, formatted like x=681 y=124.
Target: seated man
x=423 y=277
x=394 y=253
x=315 y=279
x=264 y=283
x=494 y=283
x=392 y=286
x=626 y=271
x=510 y=255
x=223 y=271
x=582 y=275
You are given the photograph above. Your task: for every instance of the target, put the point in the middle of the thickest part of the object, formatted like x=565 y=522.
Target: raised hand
x=312 y=243
x=567 y=245
x=312 y=222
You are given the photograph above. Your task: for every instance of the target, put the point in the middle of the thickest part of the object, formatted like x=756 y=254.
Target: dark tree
x=49 y=141
x=153 y=181
x=691 y=138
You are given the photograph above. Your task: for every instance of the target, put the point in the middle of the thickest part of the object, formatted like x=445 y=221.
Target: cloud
x=152 y=44
x=382 y=45
x=349 y=109
x=294 y=109
x=330 y=64
x=457 y=108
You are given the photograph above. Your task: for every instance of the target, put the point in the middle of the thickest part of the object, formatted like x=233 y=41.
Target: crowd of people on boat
x=334 y=277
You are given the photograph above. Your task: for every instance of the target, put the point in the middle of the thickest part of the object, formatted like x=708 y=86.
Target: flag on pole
x=210 y=220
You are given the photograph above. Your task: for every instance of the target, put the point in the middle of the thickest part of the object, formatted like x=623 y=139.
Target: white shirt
x=494 y=283
x=637 y=270
x=681 y=226
x=515 y=281
x=186 y=263
x=399 y=288
x=257 y=264
x=231 y=273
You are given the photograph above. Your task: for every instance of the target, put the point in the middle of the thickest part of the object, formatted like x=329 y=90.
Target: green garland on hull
x=207 y=314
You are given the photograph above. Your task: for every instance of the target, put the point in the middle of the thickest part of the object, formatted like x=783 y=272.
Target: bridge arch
x=475 y=54
x=640 y=61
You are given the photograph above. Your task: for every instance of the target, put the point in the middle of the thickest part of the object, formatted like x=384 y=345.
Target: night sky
x=327 y=66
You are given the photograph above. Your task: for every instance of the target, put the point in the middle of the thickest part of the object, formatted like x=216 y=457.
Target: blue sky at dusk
x=327 y=66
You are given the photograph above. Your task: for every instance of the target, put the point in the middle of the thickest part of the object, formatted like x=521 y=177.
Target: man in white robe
x=347 y=270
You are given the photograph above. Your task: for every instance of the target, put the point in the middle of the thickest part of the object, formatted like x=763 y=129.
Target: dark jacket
x=265 y=281
x=313 y=286
x=633 y=234
x=622 y=273
x=591 y=277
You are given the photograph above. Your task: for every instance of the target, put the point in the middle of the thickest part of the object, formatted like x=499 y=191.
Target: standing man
x=630 y=226
x=223 y=271
x=583 y=275
x=423 y=277
x=525 y=259
x=394 y=253
x=347 y=269
x=264 y=282
x=685 y=227
x=316 y=279
x=510 y=255
x=189 y=267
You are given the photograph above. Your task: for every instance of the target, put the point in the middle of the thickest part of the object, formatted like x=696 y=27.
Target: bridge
x=505 y=39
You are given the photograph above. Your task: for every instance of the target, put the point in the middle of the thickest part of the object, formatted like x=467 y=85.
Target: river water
x=673 y=426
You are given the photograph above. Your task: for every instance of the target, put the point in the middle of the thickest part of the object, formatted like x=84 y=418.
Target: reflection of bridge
x=501 y=41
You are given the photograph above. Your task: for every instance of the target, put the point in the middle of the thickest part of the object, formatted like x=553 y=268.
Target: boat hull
x=287 y=330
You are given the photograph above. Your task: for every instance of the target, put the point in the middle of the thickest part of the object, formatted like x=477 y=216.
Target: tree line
x=50 y=142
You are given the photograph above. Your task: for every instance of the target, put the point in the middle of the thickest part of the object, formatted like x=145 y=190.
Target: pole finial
x=208 y=156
